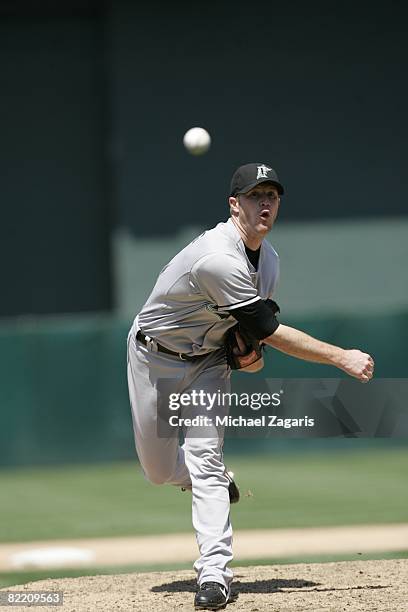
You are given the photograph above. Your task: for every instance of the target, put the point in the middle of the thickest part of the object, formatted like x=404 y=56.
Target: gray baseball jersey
x=189 y=308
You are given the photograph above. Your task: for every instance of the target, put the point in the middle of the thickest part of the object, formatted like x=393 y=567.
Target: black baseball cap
x=249 y=175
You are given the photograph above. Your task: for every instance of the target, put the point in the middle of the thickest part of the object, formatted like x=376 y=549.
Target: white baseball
x=197 y=140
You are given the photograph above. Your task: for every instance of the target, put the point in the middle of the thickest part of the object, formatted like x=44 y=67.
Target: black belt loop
x=162 y=349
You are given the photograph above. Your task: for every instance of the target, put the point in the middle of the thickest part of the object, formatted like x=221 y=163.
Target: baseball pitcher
x=210 y=311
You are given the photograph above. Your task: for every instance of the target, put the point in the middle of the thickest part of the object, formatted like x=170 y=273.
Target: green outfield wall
x=327 y=267
x=63 y=392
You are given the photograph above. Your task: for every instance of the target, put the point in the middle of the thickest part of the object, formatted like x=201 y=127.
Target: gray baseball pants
x=196 y=464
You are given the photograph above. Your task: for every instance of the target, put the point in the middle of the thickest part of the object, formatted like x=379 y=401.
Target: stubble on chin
x=263 y=228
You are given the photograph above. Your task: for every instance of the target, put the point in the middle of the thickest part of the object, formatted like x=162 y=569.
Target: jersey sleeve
x=258 y=318
x=224 y=280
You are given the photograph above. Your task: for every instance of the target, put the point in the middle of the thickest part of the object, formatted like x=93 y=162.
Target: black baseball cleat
x=232 y=488
x=211 y=596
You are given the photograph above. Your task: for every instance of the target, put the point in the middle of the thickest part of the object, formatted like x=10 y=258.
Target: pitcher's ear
x=234 y=204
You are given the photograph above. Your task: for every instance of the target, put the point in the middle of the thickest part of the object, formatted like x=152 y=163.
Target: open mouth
x=265 y=214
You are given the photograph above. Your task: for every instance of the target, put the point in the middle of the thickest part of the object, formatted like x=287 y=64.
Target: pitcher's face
x=255 y=211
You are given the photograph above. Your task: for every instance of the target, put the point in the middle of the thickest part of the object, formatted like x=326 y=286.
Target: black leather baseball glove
x=243 y=350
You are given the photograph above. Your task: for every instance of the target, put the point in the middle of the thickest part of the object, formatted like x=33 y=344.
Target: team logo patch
x=263 y=171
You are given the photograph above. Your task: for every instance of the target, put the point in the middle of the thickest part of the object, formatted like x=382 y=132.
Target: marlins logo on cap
x=248 y=176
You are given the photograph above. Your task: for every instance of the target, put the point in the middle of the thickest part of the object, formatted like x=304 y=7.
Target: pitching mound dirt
x=369 y=586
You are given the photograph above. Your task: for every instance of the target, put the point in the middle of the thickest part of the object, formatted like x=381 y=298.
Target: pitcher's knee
x=211 y=451
x=205 y=461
